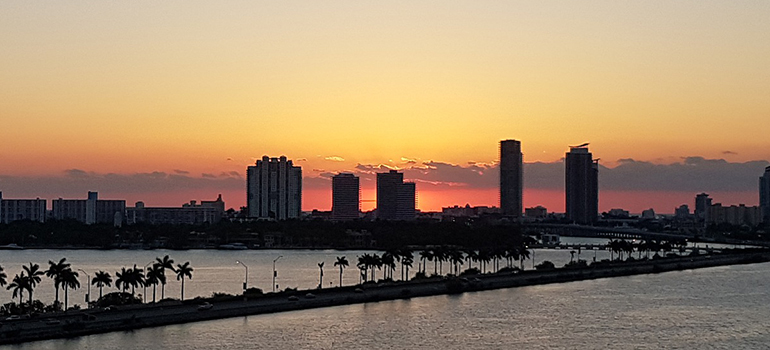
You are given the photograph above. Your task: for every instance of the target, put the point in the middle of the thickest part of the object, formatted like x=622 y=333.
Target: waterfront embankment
x=94 y=321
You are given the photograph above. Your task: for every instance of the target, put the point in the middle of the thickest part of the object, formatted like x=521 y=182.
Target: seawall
x=94 y=321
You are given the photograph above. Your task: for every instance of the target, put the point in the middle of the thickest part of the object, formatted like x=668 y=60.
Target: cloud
x=693 y=174
x=729 y=153
x=183 y=172
x=690 y=174
x=76 y=183
x=335 y=159
x=408 y=160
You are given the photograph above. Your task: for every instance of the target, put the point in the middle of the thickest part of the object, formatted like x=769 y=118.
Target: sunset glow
x=201 y=89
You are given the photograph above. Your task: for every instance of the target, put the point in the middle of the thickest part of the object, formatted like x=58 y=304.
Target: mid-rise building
x=274 y=189
x=764 y=195
x=396 y=199
x=89 y=211
x=702 y=205
x=511 y=178
x=582 y=185
x=734 y=215
x=192 y=213
x=538 y=212
x=22 y=209
x=346 y=197
x=619 y=213
x=682 y=212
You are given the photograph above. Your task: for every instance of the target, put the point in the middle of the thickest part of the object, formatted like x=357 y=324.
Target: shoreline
x=94 y=321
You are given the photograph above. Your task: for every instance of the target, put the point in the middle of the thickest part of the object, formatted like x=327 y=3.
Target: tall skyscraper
x=395 y=198
x=764 y=195
x=582 y=185
x=702 y=206
x=346 y=197
x=274 y=189
x=511 y=177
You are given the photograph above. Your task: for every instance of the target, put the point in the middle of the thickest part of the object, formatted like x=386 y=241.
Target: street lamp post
x=274 y=272
x=88 y=282
x=246 y=281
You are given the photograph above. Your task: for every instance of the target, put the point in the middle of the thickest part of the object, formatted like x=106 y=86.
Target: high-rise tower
x=346 y=196
x=274 y=189
x=511 y=177
x=702 y=206
x=395 y=198
x=582 y=185
x=764 y=195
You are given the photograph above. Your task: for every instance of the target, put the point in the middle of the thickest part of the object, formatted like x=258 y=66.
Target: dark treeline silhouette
x=294 y=233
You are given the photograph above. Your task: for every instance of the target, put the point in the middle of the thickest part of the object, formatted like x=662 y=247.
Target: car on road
x=205 y=306
x=52 y=321
x=13 y=317
x=309 y=296
x=293 y=298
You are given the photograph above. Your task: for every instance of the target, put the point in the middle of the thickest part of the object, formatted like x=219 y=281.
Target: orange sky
x=207 y=87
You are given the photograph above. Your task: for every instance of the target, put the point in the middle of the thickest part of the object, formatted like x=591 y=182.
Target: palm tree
x=69 y=280
x=102 y=279
x=321 y=277
x=471 y=256
x=165 y=263
x=183 y=270
x=54 y=271
x=407 y=261
x=456 y=257
x=425 y=255
x=122 y=281
x=342 y=262
x=136 y=278
x=154 y=276
x=389 y=262
x=3 y=277
x=362 y=265
x=19 y=284
x=33 y=273
x=405 y=254
x=376 y=263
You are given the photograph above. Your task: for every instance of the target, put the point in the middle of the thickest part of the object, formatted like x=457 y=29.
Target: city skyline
x=478 y=182
x=164 y=108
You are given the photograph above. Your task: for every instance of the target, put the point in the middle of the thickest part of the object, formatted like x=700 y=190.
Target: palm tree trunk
x=66 y=295
x=57 y=294
x=154 y=286
x=182 y=288
x=162 y=291
x=100 y=292
x=340 y=276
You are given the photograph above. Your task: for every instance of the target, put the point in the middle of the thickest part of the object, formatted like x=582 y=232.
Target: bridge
x=604 y=232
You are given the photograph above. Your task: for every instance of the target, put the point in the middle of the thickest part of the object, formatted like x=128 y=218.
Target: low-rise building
x=735 y=215
x=89 y=211
x=538 y=212
x=189 y=213
x=22 y=209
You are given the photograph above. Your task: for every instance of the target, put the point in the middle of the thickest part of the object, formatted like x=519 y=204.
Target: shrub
x=545 y=265
x=117 y=298
x=471 y=271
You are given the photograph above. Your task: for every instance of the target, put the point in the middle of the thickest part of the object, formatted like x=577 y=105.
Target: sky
x=170 y=101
